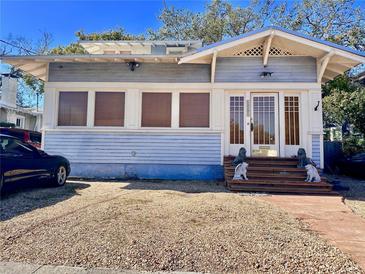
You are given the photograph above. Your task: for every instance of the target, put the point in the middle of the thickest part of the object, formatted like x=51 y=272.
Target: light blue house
x=174 y=109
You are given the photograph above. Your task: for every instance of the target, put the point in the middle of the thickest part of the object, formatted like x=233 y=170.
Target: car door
x=19 y=160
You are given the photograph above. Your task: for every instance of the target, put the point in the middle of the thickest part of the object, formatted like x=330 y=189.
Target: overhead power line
x=19 y=47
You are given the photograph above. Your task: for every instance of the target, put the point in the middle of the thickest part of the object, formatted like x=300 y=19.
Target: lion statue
x=303 y=160
x=241 y=157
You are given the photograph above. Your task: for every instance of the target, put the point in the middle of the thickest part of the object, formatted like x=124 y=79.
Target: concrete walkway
x=331 y=218
x=23 y=268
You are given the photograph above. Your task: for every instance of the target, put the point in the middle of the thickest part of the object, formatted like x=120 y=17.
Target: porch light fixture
x=133 y=65
x=316 y=107
x=266 y=74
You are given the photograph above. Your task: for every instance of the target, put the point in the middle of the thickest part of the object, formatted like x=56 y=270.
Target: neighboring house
x=173 y=109
x=360 y=78
x=24 y=118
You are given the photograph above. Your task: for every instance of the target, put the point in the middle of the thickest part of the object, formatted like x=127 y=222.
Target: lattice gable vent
x=257 y=51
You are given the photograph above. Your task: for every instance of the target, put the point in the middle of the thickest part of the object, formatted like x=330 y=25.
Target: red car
x=33 y=138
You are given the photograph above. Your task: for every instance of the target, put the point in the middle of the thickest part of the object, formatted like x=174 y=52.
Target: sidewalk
x=24 y=268
x=331 y=218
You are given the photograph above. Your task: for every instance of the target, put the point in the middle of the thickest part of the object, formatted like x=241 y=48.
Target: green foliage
x=342 y=105
x=35 y=84
x=220 y=20
x=73 y=48
x=6 y=124
x=335 y=20
x=113 y=34
x=338 y=21
x=342 y=82
x=353 y=144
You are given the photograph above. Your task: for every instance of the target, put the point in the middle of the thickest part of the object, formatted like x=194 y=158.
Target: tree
x=76 y=48
x=343 y=106
x=220 y=20
x=338 y=21
x=28 y=84
x=113 y=34
x=73 y=48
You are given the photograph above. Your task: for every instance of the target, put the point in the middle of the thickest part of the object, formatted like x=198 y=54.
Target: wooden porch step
x=270 y=169
x=264 y=163
x=276 y=175
x=231 y=158
x=272 y=176
x=270 y=189
x=279 y=183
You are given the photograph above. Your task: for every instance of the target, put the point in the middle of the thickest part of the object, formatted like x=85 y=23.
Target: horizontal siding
x=141 y=148
x=316 y=149
x=120 y=72
x=248 y=69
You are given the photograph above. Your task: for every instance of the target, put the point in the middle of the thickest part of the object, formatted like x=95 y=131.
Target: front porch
x=274 y=174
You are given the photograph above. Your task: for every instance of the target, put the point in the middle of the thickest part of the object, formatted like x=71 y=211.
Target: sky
x=29 y=18
x=64 y=18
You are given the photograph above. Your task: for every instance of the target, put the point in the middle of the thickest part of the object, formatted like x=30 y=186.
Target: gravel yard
x=186 y=226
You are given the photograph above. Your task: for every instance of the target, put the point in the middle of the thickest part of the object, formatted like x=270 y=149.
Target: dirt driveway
x=186 y=226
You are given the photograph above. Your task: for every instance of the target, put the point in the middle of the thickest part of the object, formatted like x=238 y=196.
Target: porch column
x=315 y=132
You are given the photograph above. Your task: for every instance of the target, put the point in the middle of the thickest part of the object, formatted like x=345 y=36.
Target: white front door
x=236 y=123
x=265 y=124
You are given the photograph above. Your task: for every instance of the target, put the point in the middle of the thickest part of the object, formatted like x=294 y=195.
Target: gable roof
x=332 y=59
x=299 y=34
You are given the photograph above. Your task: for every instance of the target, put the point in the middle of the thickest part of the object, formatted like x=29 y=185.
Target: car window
x=35 y=137
x=13 y=146
x=13 y=132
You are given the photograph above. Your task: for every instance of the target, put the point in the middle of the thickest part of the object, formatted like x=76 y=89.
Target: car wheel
x=60 y=176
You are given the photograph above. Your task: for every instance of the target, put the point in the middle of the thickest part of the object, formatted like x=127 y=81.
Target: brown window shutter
x=156 y=109
x=72 y=108
x=194 y=109
x=109 y=109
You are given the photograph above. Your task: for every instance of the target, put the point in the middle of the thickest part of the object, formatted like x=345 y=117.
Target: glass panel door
x=236 y=123
x=264 y=135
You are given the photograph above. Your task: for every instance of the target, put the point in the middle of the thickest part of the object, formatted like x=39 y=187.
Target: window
x=156 y=109
x=13 y=146
x=19 y=122
x=109 y=109
x=72 y=109
x=291 y=120
x=236 y=122
x=194 y=109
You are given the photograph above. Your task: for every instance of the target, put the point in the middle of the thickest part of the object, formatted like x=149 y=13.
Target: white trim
x=214 y=62
x=175 y=109
x=90 y=108
x=320 y=46
x=224 y=46
x=322 y=65
x=281 y=120
x=278 y=33
x=276 y=146
x=81 y=86
x=138 y=130
x=266 y=49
